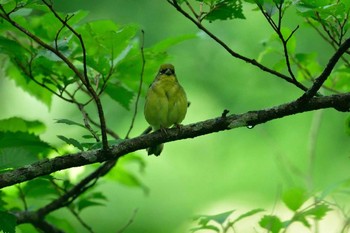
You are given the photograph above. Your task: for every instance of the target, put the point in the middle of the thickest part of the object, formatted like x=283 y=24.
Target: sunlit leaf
x=271 y=223
x=14 y=124
x=294 y=198
x=19 y=148
x=225 y=10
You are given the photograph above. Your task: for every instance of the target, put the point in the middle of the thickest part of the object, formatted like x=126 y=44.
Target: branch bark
x=340 y=102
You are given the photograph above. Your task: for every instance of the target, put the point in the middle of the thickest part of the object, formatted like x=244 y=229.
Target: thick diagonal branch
x=340 y=102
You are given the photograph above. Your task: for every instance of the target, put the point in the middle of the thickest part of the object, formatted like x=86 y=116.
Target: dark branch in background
x=233 y=53
x=141 y=81
x=340 y=102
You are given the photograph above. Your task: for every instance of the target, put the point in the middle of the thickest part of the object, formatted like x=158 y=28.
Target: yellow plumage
x=166 y=103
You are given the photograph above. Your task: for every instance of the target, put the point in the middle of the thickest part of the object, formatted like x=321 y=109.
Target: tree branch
x=233 y=53
x=340 y=102
x=327 y=71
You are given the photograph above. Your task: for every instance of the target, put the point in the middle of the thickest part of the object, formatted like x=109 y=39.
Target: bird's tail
x=155 y=150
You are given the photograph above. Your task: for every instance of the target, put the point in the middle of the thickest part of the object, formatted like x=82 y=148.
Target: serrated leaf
x=69 y=122
x=19 y=148
x=294 y=198
x=11 y=48
x=120 y=94
x=318 y=212
x=271 y=223
x=7 y=222
x=71 y=141
x=225 y=9
x=15 y=124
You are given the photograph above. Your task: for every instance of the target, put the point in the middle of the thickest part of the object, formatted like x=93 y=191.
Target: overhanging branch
x=340 y=102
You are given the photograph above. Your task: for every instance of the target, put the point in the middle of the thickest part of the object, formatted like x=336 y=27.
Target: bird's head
x=167 y=69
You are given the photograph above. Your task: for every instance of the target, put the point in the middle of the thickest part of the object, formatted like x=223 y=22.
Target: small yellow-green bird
x=166 y=103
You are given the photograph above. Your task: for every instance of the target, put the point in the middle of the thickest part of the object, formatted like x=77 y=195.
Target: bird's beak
x=168 y=72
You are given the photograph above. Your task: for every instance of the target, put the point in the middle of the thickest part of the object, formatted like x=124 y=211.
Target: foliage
x=50 y=54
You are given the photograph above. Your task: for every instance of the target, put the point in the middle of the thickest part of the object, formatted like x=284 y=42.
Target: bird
x=166 y=103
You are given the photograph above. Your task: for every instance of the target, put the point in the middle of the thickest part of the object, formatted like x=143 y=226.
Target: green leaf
x=339 y=79
x=71 y=141
x=247 y=214
x=292 y=42
x=69 y=122
x=225 y=10
x=39 y=188
x=122 y=173
x=14 y=124
x=271 y=223
x=218 y=218
x=127 y=178
x=294 y=198
x=12 y=48
x=93 y=199
x=128 y=70
x=62 y=222
x=120 y=94
x=29 y=85
x=19 y=148
x=2 y=202
x=105 y=42
x=7 y=222
x=318 y=212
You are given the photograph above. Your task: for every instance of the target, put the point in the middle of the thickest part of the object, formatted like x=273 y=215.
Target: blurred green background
x=239 y=169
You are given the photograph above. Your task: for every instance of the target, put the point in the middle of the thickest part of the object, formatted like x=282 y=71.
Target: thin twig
x=140 y=84
x=131 y=220
x=86 y=122
x=80 y=220
x=84 y=77
x=277 y=29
